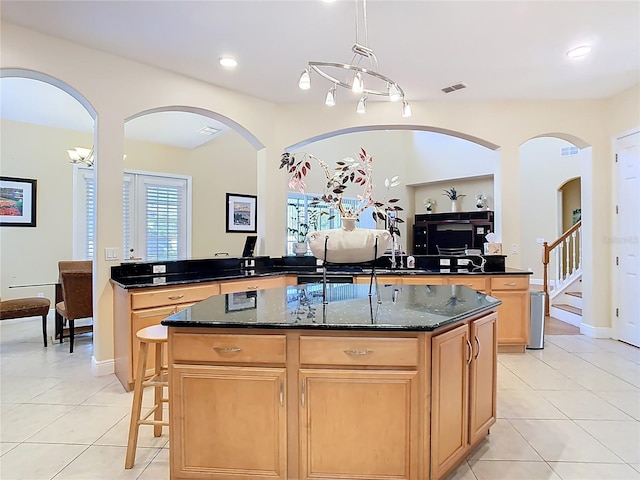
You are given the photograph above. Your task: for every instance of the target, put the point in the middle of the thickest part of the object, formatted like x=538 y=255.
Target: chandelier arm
x=316 y=66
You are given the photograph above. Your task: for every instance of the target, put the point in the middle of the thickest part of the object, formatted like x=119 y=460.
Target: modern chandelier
x=361 y=76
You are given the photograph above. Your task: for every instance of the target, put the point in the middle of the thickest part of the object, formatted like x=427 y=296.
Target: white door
x=628 y=239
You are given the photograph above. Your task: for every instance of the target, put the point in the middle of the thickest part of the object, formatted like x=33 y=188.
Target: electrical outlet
x=514 y=249
x=540 y=240
x=159 y=269
x=40 y=295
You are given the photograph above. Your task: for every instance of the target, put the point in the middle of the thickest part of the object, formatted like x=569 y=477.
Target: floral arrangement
x=453 y=194
x=481 y=200
x=348 y=172
x=429 y=204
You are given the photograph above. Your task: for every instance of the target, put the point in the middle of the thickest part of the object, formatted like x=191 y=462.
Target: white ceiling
x=500 y=49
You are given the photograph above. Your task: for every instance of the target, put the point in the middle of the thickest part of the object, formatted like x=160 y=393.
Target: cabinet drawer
x=235 y=348
x=359 y=351
x=475 y=283
x=234 y=286
x=510 y=283
x=172 y=296
x=382 y=279
x=422 y=280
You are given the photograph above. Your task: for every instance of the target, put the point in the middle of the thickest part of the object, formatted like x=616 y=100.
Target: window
x=155 y=215
x=304 y=209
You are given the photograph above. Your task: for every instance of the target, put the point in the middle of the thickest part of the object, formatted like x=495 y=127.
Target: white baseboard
x=104 y=367
x=595 y=332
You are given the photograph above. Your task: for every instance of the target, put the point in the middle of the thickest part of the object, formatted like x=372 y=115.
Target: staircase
x=568 y=308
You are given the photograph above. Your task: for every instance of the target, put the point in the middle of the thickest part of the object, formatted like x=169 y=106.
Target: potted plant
x=481 y=201
x=429 y=204
x=454 y=196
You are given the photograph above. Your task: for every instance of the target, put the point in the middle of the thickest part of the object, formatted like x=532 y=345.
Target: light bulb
x=580 y=51
x=358 y=83
x=331 y=97
x=394 y=93
x=362 y=105
x=406 y=109
x=305 y=80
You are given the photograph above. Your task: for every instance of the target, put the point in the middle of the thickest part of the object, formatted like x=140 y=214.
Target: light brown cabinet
x=514 y=313
x=463 y=390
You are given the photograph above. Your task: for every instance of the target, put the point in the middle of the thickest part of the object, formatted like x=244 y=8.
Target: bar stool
x=157 y=335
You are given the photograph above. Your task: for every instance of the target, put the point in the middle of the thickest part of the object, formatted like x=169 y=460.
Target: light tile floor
x=570 y=411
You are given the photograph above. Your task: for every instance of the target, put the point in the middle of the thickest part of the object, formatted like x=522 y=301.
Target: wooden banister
x=547 y=249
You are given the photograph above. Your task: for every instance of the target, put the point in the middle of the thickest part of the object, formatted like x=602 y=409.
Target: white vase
x=300 y=248
x=454 y=205
x=349 y=244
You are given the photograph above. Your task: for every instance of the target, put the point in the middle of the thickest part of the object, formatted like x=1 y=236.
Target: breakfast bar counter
x=337 y=382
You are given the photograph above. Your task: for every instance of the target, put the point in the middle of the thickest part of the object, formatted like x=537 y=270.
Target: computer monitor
x=249 y=246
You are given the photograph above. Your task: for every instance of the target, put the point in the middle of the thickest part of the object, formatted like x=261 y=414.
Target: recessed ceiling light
x=580 y=51
x=228 y=62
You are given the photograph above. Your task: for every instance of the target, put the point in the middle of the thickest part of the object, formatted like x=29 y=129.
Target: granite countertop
x=349 y=307
x=169 y=279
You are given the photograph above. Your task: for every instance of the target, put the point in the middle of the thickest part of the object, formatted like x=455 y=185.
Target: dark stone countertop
x=349 y=307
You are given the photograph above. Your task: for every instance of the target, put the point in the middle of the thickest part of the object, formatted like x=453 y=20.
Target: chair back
x=74 y=265
x=77 y=292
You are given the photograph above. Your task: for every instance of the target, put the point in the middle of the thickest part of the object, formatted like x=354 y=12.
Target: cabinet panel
x=358 y=351
x=450 y=357
x=234 y=286
x=513 y=317
x=228 y=422
x=357 y=424
x=229 y=348
x=158 y=297
x=483 y=378
x=510 y=283
x=423 y=280
x=475 y=283
x=382 y=279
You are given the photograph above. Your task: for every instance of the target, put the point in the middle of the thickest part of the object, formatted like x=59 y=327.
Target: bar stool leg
x=158 y=391
x=136 y=408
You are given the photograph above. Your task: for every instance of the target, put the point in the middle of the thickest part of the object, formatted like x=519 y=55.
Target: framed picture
x=17 y=202
x=235 y=302
x=241 y=213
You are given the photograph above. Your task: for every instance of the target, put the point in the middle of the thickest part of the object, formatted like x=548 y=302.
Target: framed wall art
x=17 y=202
x=235 y=302
x=241 y=213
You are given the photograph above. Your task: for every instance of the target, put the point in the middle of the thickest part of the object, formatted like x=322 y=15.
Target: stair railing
x=567 y=260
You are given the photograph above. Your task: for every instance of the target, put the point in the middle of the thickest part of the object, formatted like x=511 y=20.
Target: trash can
x=536 y=330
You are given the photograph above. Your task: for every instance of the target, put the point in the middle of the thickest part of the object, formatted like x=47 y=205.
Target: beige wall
x=117 y=88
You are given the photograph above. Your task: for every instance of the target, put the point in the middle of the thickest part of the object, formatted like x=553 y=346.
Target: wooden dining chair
x=77 y=294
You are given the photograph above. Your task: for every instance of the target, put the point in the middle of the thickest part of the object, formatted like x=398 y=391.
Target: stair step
x=568 y=308
x=574 y=294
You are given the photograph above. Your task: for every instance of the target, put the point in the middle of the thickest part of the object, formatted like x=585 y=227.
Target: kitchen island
x=278 y=383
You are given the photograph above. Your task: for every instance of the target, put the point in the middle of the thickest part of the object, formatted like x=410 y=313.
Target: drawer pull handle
x=510 y=284
x=227 y=349
x=358 y=352
x=176 y=297
x=254 y=287
x=470 y=352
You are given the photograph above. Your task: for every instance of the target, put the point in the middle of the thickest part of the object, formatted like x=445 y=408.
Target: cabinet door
x=483 y=377
x=451 y=354
x=145 y=318
x=513 y=317
x=357 y=424
x=230 y=422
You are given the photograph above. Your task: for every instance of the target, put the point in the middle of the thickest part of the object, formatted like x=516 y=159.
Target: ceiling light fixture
x=578 y=52
x=228 y=62
x=357 y=78
x=81 y=155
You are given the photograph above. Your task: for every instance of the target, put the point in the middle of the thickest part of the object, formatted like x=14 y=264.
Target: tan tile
x=101 y=462
x=119 y=434
x=616 y=365
x=37 y=461
x=583 y=405
x=622 y=438
x=507 y=380
x=594 y=471
x=19 y=389
x=564 y=441
x=502 y=470
x=25 y=420
x=572 y=343
x=83 y=424
x=504 y=443
x=636 y=466
x=6 y=446
x=158 y=469
x=525 y=404
x=628 y=402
